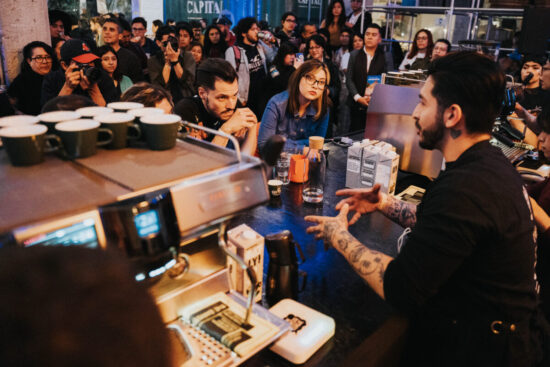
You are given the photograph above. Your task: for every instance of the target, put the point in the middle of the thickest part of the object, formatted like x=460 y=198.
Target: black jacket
x=356 y=77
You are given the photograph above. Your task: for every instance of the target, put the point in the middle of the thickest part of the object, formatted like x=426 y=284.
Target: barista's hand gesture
x=72 y=76
x=361 y=201
x=326 y=227
x=243 y=118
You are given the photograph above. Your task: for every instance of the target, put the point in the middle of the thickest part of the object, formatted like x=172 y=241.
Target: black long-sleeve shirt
x=469 y=260
x=471 y=251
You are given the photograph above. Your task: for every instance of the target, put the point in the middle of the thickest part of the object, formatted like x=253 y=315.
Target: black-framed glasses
x=321 y=84
x=42 y=58
x=138 y=29
x=290 y=20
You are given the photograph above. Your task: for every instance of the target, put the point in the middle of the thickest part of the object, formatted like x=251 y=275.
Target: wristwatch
x=174 y=63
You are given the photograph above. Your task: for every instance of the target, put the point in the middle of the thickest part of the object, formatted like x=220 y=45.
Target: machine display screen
x=147 y=223
x=77 y=234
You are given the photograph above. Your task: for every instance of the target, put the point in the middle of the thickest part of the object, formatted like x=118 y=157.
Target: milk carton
x=353 y=167
x=386 y=171
x=249 y=245
x=369 y=164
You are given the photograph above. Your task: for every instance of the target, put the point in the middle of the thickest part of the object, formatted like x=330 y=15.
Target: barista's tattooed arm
x=368 y=264
x=400 y=212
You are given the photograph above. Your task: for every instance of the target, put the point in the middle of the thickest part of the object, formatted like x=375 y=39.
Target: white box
x=353 y=167
x=310 y=329
x=386 y=171
x=369 y=164
x=249 y=245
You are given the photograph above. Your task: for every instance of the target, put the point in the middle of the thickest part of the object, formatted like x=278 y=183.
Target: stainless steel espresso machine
x=167 y=211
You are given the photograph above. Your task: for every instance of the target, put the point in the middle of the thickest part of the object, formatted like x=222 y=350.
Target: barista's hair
x=70 y=102
x=214 y=69
x=74 y=306
x=146 y=93
x=456 y=75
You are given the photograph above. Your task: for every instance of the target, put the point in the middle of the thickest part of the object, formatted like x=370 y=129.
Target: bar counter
x=332 y=286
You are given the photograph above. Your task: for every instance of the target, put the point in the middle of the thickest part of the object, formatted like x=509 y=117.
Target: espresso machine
x=168 y=212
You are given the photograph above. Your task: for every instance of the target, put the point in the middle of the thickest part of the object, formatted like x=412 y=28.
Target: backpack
x=237 y=52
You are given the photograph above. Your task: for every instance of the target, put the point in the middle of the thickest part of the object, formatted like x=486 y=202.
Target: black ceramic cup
x=26 y=144
x=124 y=106
x=93 y=111
x=18 y=120
x=80 y=137
x=51 y=118
x=161 y=131
x=122 y=127
x=138 y=113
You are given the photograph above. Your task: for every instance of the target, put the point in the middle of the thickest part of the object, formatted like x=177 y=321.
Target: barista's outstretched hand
x=361 y=201
x=327 y=227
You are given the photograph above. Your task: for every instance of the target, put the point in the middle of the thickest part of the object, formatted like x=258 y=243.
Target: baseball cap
x=223 y=20
x=77 y=50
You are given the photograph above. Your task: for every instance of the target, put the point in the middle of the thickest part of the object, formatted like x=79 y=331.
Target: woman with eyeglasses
x=316 y=47
x=301 y=111
x=422 y=47
x=25 y=91
x=109 y=63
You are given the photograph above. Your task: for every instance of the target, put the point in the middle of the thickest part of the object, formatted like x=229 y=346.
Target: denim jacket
x=297 y=130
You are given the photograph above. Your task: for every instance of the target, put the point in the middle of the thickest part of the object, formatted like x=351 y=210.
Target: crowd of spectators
x=253 y=81
x=350 y=48
x=120 y=53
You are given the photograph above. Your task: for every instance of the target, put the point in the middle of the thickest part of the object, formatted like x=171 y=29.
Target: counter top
x=332 y=286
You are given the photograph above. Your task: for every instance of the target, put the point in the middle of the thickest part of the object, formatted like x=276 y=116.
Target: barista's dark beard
x=430 y=138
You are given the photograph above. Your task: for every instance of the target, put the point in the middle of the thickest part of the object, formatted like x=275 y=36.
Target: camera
x=91 y=72
x=173 y=42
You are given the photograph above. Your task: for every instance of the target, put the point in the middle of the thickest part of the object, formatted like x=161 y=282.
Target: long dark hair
x=208 y=45
x=27 y=54
x=286 y=48
x=414 y=50
x=321 y=105
x=117 y=75
x=330 y=17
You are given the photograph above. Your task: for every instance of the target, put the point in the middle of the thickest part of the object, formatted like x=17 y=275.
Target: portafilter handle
x=249 y=271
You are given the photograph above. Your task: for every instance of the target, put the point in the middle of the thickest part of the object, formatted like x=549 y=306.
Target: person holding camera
x=79 y=75
x=172 y=68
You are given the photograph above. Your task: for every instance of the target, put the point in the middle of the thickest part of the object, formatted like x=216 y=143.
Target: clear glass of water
x=282 y=167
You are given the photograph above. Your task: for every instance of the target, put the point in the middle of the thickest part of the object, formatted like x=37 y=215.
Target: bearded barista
x=216 y=106
x=465 y=273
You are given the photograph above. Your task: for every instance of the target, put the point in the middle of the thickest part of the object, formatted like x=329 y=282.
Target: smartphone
x=300 y=56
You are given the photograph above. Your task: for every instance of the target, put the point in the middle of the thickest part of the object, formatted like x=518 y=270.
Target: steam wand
x=249 y=271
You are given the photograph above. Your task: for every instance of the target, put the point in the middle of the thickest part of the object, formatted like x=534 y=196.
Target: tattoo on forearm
x=369 y=264
x=330 y=230
x=401 y=212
